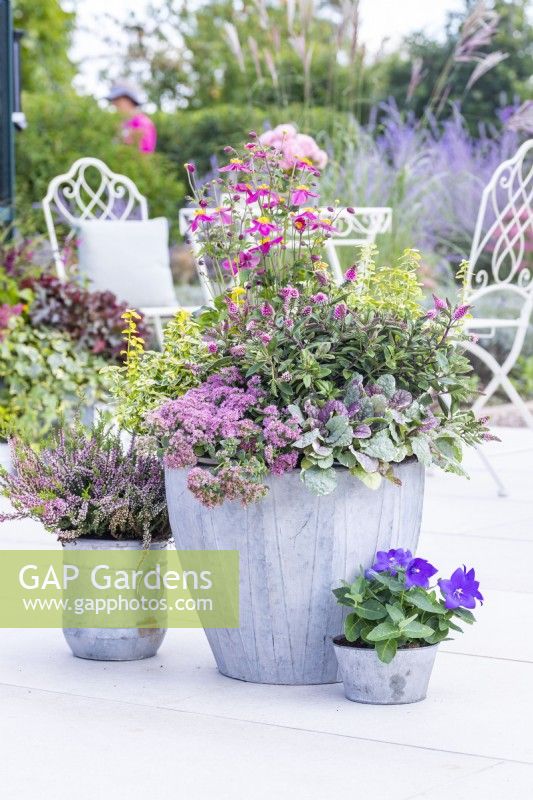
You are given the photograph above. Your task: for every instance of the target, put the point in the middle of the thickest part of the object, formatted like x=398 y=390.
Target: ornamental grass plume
x=85 y=483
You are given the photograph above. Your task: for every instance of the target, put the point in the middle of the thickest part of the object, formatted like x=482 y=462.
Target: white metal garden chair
x=353 y=230
x=504 y=238
x=74 y=196
x=504 y=234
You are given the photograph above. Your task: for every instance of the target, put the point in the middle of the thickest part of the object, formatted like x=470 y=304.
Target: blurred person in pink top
x=137 y=128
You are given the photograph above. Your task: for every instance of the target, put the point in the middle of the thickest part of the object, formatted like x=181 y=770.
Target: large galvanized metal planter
x=294 y=548
x=113 y=644
x=368 y=680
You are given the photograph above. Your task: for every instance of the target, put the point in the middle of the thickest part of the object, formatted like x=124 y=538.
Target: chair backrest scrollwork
x=502 y=247
x=89 y=190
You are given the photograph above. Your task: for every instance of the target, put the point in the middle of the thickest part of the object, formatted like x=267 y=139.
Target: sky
x=380 y=19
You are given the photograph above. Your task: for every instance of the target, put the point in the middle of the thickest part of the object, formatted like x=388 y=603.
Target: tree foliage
x=48 y=28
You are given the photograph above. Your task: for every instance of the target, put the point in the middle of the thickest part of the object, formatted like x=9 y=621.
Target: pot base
x=368 y=680
x=114 y=644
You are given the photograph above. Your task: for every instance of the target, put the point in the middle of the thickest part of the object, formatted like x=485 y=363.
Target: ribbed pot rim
x=370 y=651
x=117 y=544
x=210 y=462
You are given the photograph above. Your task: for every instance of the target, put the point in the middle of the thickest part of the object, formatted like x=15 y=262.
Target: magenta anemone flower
x=262 y=225
x=263 y=190
x=266 y=244
x=200 y=216
x=306 y=165
x=224 y=214
x=235 y=165
x=231 y=265
x=324 y=225
x=248 y=259
x=301 y=195
x=190 y=167
x=461 y=589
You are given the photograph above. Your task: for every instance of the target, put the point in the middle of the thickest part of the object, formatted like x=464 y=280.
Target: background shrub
x=63 y=127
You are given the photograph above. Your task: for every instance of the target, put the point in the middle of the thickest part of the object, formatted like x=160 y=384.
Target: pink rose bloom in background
x=140 y=122
x=294 y=146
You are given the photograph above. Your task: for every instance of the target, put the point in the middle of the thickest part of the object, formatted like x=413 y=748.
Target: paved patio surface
x=172 y=727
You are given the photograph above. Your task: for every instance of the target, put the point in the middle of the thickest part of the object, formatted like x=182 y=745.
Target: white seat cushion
x=129 y=258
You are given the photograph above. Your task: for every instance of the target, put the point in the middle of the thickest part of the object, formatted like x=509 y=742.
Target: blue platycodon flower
x=461 y=589
x=418 y=573
x=391 y=561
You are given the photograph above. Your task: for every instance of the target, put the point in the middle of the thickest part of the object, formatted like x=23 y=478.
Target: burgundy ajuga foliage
x=93 y=319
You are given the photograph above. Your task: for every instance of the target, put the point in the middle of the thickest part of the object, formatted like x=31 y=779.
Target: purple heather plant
x=393 y=606
x=85 y=483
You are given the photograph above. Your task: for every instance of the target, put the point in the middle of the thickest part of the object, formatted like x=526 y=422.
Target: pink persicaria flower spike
x=262 y=225
x=351 y=274
x=439 y=304
x=460 y=312
x=266 y=310
x=224 y=215
x=235 y=165
x=340 y=311
x=200 y=216
x=301 y=195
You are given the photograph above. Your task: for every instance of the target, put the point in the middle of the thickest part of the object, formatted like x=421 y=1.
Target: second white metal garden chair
x=501 y=266
x=353 y=230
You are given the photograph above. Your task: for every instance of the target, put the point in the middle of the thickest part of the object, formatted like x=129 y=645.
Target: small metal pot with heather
x=395 y=624
x=94 y=494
